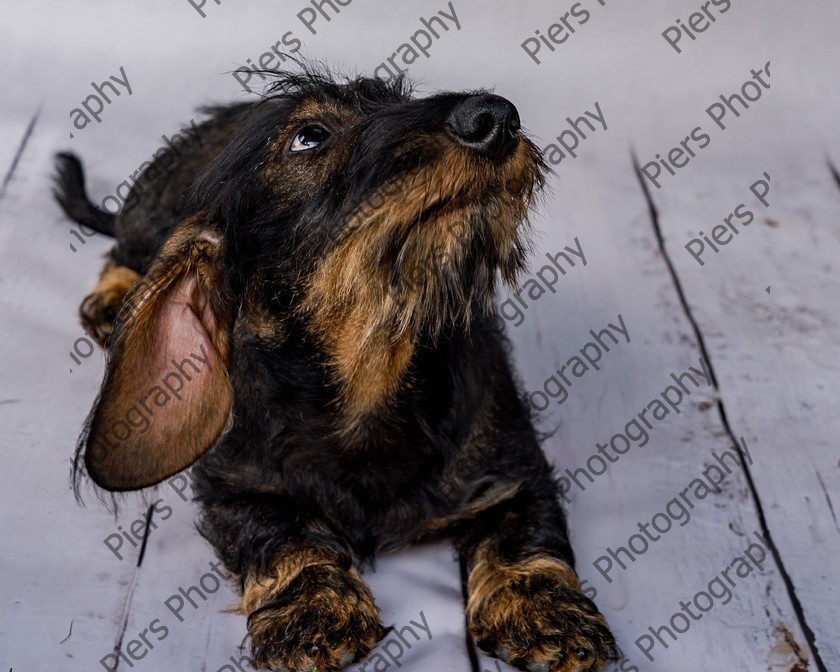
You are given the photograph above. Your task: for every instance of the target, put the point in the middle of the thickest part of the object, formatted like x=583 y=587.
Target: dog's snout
x=489 y=124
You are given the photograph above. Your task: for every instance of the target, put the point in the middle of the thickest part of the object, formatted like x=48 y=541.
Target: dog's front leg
x=309 y=610
x=525 y=604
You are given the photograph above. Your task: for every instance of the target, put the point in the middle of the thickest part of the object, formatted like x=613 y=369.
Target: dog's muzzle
x=487 y=124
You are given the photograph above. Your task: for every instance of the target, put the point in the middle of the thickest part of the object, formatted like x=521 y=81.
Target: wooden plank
x=58 y=573
x=625 y=275
x=599 y=200
x=765 y=303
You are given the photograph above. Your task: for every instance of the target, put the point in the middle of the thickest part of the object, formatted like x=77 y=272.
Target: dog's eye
x=308 y=138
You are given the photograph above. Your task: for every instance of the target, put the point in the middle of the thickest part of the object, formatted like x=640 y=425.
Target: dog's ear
x=166 y=396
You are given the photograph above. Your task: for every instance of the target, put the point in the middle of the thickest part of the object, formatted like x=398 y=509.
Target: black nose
x=488 y=124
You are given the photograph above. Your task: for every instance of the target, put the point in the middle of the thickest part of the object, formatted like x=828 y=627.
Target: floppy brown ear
x=166 y=396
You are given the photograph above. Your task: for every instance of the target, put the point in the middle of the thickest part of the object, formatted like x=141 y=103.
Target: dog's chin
x=443 y=300
x=443 y=275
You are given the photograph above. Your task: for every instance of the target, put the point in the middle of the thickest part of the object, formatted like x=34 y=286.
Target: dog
x=334 y=405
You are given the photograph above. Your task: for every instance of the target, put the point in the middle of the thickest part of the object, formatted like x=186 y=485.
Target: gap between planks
x=765 y=530
x=131 y=586
x=19 y=153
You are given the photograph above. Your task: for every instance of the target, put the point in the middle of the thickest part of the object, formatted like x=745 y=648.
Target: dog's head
x=347 y=215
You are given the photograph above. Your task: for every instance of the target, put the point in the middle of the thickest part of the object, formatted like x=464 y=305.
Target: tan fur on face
x=370 y=333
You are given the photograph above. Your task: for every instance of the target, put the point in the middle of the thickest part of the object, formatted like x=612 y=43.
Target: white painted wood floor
x=762 y=312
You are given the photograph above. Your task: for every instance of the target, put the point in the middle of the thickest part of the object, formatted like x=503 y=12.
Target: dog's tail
x=70 y=193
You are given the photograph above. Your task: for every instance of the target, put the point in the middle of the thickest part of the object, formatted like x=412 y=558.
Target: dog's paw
x=100 y=308
x=323 y=619
x=532 y=615
x=98 y=315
